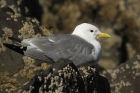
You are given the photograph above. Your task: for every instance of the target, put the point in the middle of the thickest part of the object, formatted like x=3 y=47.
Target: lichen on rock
x=4 y=39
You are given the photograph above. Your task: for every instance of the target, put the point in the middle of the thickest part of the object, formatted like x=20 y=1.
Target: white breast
x=96 y=53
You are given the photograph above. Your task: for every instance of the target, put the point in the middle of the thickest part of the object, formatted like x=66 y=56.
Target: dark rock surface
x=63 y=76
x=18 y=26
x=15 y=69
x=125 y=78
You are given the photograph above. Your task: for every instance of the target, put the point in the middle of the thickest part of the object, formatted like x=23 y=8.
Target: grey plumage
x=60 y=46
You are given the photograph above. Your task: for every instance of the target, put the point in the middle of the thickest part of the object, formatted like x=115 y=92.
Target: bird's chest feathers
x=96 y=52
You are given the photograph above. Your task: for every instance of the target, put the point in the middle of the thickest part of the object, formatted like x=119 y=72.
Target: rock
x=93 y=81
x=64 y=76
x=15 y=70
x=125 y=78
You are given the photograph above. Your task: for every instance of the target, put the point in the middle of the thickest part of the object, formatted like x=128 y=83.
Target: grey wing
x=37 y=54
x=65 y=46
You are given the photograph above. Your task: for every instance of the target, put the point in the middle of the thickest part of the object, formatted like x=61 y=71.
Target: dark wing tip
x=6 y=45
x=19 y=49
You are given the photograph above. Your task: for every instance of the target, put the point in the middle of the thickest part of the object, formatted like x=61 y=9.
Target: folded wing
x=63 y=46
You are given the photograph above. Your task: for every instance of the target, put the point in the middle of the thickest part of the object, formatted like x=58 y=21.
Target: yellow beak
x=103 y=35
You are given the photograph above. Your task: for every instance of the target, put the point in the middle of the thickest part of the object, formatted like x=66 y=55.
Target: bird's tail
x=19 y=49
x=26 y=49
x=29 y=51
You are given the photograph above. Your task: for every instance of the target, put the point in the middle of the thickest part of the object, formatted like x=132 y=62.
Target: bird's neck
x=90 y=40
x=96 y=45
x=96 y=53
x=83 y=36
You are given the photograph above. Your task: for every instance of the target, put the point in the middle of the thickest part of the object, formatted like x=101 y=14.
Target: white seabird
x=82 y=46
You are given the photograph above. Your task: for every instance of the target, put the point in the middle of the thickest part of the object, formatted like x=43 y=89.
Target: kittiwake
x=82 y=46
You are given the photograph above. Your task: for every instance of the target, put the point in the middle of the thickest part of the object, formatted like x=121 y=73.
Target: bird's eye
x=91 y=31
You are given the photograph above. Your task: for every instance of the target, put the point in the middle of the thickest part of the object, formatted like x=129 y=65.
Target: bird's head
x=89 y=32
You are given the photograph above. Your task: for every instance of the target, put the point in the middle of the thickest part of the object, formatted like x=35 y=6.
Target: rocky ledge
x=64 y=77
